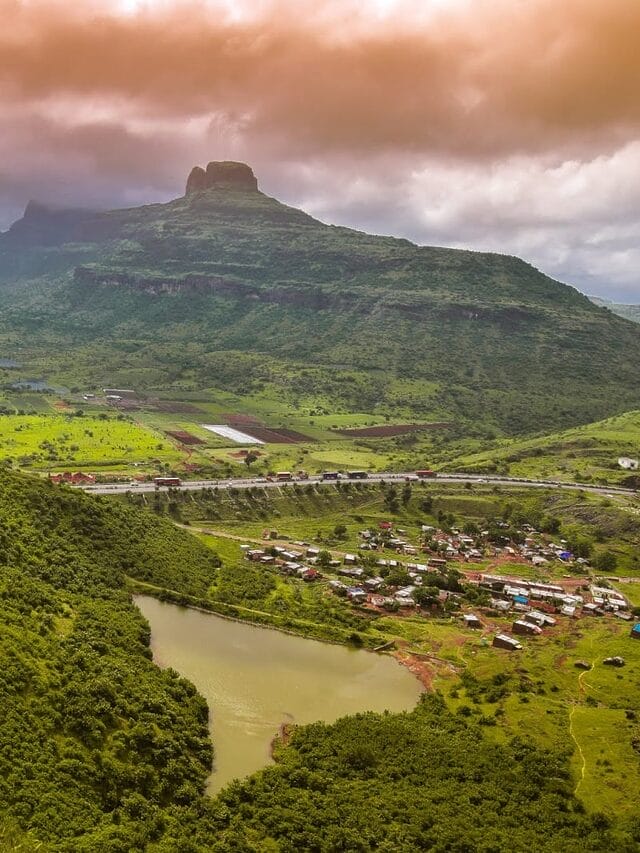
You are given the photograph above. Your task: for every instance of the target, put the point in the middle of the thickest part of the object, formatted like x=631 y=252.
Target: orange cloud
x=480 y=80
x=485 y=123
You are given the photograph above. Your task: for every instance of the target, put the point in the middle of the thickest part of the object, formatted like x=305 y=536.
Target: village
x=448 y=573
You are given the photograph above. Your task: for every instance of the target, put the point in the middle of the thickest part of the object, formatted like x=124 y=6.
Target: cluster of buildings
x=472 y=548
x=288 y=562
x=364 y=578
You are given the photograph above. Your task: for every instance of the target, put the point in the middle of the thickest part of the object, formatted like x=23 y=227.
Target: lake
x=255 y=679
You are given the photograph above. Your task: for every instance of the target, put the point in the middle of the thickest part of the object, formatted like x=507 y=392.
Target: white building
x=628 y=464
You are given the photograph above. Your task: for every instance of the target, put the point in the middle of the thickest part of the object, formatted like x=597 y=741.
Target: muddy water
x=256 y=679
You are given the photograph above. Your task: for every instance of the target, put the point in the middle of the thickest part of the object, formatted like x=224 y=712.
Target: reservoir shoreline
x=256 y=685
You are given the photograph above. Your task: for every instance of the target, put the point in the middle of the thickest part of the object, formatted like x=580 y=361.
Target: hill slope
x=587 y=453
x=227 y=287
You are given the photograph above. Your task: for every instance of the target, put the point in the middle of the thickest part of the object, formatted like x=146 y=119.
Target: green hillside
x=227 y=288
x=586 y=454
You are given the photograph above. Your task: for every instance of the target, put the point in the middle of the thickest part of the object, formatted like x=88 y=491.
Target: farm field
x=310 y=436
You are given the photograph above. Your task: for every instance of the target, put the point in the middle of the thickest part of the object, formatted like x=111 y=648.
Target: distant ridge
x=629 y=312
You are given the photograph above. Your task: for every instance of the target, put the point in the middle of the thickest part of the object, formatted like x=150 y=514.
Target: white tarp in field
x=232 y=434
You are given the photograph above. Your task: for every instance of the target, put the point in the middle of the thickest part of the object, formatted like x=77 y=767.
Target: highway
x=387 y=477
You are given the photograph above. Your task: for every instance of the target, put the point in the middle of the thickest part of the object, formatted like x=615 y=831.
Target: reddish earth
x=389 y=430
x=424 y=670
x=241 y=454
x=127 y=405
x=185 y=437
x=275 y=436
x=237 y=419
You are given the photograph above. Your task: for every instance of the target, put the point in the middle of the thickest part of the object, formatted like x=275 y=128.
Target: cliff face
x=307 y=296
x=220 y=175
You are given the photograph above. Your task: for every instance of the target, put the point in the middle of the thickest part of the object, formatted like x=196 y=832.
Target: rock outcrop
x=225 y=174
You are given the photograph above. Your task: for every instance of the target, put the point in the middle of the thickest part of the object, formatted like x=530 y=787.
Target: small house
x=356 y=594
x=535 y=617
x=504 y=641
x=635 y=631
x=471 y=620
x=525 y=628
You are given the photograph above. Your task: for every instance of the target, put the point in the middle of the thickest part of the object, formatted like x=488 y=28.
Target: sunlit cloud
x=490 y=124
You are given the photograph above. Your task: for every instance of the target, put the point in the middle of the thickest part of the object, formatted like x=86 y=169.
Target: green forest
x=101 y=750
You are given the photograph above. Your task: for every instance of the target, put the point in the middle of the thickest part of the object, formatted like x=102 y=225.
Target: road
x=388 y=477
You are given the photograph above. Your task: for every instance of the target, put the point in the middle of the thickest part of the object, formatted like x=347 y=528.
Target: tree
x=426 y=504
x=324 y=559
x=250 y=458
x=605 y=561
x=425 y=596
x=340 y=531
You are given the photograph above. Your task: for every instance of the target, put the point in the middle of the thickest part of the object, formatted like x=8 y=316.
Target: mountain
x=228 y=288
x=629 y=312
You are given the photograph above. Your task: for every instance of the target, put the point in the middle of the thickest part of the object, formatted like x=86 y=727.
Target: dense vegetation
x=96 y=742
x=427 y=780
x=310 y=311
x=101 y=750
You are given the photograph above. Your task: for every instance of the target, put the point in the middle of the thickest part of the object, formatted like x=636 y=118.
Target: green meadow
x=50 y=441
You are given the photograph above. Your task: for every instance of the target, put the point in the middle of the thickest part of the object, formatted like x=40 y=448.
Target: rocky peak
x=225 y=174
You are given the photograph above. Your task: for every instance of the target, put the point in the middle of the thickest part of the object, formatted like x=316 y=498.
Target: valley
x=213 y=415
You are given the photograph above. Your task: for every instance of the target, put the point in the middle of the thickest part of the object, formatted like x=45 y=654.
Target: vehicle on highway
x=167 y=481
x=425 y=473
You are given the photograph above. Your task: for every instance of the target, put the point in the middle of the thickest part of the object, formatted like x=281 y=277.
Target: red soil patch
x=185 y=437
x=389 y=430
x=423 y=671
x=275 y=436
x=125 y=404
x=60 y=404
x=241 y=454
x=240 y=419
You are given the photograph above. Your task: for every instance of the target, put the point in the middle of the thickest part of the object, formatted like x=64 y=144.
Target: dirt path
x=576 y=704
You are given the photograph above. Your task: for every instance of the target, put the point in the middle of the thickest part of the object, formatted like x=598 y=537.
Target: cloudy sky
x=508 y=125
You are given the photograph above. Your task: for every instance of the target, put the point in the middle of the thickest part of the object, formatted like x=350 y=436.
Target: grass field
x=52 y=441
x=584 y=454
